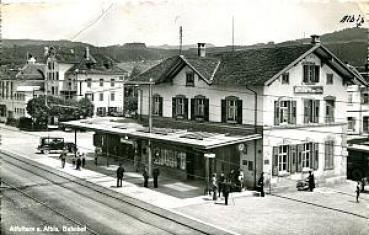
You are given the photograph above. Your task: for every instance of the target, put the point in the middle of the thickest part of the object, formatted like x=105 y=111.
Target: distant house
x=99 y=81
x=296 y=96
x=18 y=86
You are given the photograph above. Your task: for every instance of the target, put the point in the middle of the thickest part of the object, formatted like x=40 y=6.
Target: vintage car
x=48 y=144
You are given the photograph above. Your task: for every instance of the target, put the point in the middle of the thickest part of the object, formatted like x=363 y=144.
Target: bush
x=25 y=123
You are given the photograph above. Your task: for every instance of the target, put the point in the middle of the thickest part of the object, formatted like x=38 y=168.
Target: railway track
x=127 y=205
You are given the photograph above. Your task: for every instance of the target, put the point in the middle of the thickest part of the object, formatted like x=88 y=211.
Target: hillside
x=349 y=45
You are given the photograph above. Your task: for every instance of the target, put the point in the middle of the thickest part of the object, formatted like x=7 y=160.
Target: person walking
x=226 y=190
x=221 y=181
x=156 y=174
x=83 y=160
x=311 y=180
x=146 y=178
x=63 y=156
x=261 y=184
x=357 y=191
x=214 y=186
x=120 y=174
x=78 y=163
x=363 y=181
x=240 y=179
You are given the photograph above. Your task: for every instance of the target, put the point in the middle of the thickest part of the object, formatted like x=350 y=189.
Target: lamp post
x=150 y=127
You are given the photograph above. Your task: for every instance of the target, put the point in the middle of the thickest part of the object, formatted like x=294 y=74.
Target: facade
x=18 y=87
x=297 y=95
x=100 y=81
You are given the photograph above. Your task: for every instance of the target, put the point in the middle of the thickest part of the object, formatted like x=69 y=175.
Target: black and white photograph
x=140 y=117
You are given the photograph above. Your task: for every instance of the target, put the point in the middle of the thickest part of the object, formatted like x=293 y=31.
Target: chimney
x=201 y=52
x=315 y=39
x=46 y=51
x=87 y=53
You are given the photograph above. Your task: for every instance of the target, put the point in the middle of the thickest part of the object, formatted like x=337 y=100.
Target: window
x=366 y=124
x=101 y=97
x=284 y=112
x=329 y=78
x=351 y=123
x=101 y=82
x=328 y=156
x=170 y=158
x=306 y=155
x=200 y=108
x=349 y=98
x=158 y=105
x=311 y=73
x=180 y=107
x=89 y=80
x=232 y=110
x=92 y=97
x=121 y=78
x=311 y=111
x=101 y=111
x=286 y=78
x=112 y=82
x=365 y=98
x=190 y=79
x=329 y=110
x=250 y=166
x=112 y=96
x=282 y=158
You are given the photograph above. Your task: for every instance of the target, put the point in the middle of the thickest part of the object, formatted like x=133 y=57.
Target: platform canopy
x=131 y=130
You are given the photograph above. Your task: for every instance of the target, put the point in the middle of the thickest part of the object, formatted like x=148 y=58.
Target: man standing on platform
x=146 y=178
x=120 y=174
x=156 y=174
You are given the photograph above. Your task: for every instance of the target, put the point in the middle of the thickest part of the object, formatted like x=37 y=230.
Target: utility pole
x=180 y=40
x=150 y=127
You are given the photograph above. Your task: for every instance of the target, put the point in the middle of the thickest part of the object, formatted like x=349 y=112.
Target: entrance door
x=190 y=166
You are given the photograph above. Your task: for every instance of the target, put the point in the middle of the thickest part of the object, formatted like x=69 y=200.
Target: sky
x=157 y=22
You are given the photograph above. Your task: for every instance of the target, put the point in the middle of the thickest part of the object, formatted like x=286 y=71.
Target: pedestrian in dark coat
x=221 y=181
x=156 y=174
x=78 y=163
x=363 y=184
x=62 y=157
x=311 y=180
x=261 y=184
x=226 y=191
x=120 y=174
x=83 y=160
x=146 y=178
x=357 y=191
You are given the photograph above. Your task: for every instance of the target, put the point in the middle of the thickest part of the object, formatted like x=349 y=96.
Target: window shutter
x=316 y=155
x=185 y=108
x=275 y=161
x=239 y=111
x=306 y=111
x=223 y=111
x=193 y=104
x=206 y=110
x=292 y=112
x=316 y=110
x=174 y=113
x=292 y=158
x=276 y=112
x=161 y=106
x=305 y=73
x=317 y=73
x=300 y=148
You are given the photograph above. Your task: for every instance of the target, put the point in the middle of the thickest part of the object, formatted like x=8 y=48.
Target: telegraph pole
x=150 y=127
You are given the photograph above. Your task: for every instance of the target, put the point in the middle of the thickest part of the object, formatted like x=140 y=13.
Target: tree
x=65 y=110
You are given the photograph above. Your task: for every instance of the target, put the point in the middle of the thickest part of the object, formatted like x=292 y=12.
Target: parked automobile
x=48 y=144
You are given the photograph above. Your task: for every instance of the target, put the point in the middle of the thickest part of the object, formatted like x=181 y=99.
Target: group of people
x=78 y=160
x=145 y=174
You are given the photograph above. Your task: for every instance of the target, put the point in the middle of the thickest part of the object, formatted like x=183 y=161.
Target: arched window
x=200 y=108
x=180 y=107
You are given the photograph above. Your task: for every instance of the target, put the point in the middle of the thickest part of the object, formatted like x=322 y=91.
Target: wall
x=215 y=93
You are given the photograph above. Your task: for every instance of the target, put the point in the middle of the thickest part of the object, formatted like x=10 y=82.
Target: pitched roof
x=31 y=72
x=247 y=67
